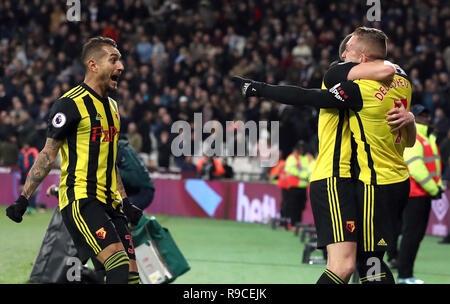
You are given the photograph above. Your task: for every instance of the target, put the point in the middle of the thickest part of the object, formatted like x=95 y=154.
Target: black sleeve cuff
x=338 y=73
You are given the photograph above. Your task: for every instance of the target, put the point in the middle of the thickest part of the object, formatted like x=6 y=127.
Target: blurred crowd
x=179 y=56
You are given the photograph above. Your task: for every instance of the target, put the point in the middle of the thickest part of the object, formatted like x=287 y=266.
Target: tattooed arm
x=120 y=186
x=42 y=166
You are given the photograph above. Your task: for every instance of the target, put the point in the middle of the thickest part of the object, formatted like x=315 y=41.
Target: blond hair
x=373 y=40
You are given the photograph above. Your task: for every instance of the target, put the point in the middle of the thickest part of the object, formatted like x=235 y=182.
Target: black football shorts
x=334 y=207
x=379 y=207
x=94 y=225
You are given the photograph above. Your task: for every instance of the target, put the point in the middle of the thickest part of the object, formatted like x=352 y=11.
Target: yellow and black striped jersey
x=335 y=150
x=334 y=144
x=380 y=152
x=89 y=127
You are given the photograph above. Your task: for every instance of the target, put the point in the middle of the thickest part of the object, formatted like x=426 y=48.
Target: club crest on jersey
x=350 y=225
x=59 y=120
x=101 y=233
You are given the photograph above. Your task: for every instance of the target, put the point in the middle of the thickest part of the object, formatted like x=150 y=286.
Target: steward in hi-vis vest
x=298 y=171
x=424 y=167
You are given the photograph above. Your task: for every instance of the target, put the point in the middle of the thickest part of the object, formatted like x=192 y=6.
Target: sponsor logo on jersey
x=338 y=92
x=99 y=132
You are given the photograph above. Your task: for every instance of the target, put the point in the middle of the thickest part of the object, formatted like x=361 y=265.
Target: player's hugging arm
x=411 y=134
x=42 y=166
x=399 y=118
x=381 y=70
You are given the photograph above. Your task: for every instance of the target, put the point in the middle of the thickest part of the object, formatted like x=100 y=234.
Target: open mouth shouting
x=115 y=79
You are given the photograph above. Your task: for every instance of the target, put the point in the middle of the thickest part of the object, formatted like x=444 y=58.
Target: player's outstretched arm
x=40 y=169
x=344 y=95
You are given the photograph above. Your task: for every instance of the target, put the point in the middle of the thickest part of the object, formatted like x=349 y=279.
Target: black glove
x=16 y=210
x=132 y=212
x=248 y=87
x=438 y=195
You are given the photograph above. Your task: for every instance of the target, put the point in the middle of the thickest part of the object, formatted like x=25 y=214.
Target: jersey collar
x=91 y=91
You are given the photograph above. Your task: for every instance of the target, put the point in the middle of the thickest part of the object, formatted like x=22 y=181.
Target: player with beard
x=84 y=126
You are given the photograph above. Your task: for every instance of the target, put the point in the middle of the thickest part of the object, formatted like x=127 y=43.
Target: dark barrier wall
x=241 y=201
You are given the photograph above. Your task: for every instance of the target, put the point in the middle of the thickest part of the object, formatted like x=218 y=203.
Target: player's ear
x=92 y=65
x=364 y=57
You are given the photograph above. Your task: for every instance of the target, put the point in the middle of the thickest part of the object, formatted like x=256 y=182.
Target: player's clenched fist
x=17 y=209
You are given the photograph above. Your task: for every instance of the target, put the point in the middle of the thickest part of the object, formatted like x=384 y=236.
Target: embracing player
x=365 y=208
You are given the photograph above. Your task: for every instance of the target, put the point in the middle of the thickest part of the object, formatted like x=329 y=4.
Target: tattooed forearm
x=42 y=166
x=38 y=172
x=120 y=186
x=53 y=145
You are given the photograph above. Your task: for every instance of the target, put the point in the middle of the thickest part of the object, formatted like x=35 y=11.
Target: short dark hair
x=95 y=45
x=375 y=39
x=301 y=144
x=343 y=45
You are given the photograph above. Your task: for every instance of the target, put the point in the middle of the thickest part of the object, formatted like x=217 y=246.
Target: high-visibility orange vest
x=218 y=168
x=430 y=163
x=278 y=171
x=283 y=181
x=26 y=154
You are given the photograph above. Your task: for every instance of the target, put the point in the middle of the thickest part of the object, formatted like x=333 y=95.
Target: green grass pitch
x=218 y=251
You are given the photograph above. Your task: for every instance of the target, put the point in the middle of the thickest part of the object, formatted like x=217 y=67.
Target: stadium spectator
x=441 y=123
x=229 y=172
x=134 y=138
x=444 y=148
x=188 y=48
x=164 y=150
x=9 y=149
x=188 y=165
x=209 y=167
x=144 y=49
